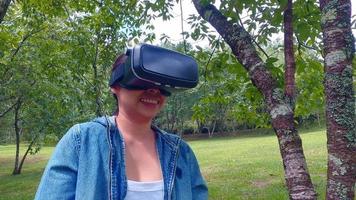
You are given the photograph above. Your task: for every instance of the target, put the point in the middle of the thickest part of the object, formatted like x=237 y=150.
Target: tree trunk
x=296 y=173
x=18 y=133
x=289 y=59
x=97 y=92
x=318 y=118
x=25 y=155
x=339 y=50
x=4 y=5
x=211 y=129
x=18 y=130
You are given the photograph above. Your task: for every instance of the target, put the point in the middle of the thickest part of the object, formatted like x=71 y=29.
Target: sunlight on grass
x=242 y=167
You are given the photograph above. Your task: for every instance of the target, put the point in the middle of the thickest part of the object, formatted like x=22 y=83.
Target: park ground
x=246 y=166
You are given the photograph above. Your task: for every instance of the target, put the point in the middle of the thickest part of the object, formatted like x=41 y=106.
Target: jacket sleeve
x=60 y=176
x=198 y=184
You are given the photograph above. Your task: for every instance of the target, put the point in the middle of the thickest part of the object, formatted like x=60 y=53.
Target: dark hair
x=119 y=60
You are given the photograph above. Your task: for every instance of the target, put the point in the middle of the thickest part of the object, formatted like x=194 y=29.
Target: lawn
x=250 y=167
x=242 y=167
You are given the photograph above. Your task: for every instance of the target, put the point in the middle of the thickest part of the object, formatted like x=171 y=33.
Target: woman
x=125 y=156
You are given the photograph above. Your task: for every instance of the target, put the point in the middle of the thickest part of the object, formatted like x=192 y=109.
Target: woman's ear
x=115 y=90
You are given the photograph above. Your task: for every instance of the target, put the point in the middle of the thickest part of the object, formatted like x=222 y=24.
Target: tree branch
x=8 y=109
x=211 y=55
x=242 y=47
x=22 y=42
x=6 y=80
x=254 y=41
x=81 y=45
x=301 y=44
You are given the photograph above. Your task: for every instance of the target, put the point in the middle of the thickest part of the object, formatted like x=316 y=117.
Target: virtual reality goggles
x=150 y=66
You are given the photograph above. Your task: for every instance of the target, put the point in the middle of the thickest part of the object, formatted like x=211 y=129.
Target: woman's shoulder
x=89 y=134
x=92 y=127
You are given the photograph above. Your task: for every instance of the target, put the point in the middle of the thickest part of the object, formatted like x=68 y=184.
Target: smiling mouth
x=151 y=101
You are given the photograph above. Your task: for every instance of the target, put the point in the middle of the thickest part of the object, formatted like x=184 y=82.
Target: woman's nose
x=153 y=90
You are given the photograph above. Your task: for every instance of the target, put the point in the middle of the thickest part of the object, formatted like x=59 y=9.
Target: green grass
x=21 y=186
x=250 y=167
x=243 y=167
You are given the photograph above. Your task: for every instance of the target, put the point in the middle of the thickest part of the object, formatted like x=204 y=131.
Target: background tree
x=339 y=50
x=280 y=106
x=56 y=59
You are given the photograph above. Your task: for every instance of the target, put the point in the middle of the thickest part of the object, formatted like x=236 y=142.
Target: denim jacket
x=88 y=163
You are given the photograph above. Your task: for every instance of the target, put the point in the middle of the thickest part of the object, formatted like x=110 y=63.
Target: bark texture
x=296 y=173
x=4 y=5
x=339 y=50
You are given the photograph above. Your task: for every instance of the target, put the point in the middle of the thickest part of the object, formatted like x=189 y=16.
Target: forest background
x=56 y=56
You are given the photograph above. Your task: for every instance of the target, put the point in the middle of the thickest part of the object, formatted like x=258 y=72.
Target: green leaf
x=271 y=60
x=303 y=31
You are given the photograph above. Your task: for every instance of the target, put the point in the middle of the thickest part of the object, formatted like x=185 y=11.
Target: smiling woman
x=139 y=105
x=125 y=156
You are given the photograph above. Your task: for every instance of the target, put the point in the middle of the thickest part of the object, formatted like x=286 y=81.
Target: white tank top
x=152 y=190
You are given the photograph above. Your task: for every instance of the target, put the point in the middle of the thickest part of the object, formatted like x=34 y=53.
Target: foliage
x=56 y=59
x=309 y=78
x=228 y=99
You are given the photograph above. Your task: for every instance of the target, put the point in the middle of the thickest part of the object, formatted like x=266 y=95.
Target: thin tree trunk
x=97 y=92
x=18 y=130
x=18 y=133
x=318 y=118
x=289 y=59
x=199 y=126
x=182 y=27
x=212 y=129
x=339 y=50
x=296 y=173
x=4 y=5
x=25 y=155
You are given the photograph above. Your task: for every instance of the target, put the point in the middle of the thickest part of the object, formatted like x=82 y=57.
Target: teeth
x=150 y=101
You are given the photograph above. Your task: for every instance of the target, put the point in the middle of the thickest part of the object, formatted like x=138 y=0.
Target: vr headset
x=148 y=66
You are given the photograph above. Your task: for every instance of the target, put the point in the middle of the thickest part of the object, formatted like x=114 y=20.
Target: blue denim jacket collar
x=167 y=147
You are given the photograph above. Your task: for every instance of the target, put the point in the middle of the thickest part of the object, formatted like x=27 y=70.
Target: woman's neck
x=137 y=129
